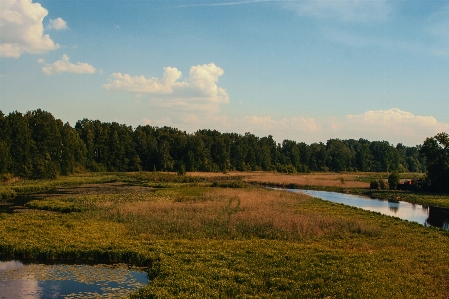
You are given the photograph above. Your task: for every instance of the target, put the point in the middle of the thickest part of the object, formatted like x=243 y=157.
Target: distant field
x=329 y=179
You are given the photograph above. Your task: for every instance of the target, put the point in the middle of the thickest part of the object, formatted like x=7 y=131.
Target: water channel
x=425 y=215
x=34 y=280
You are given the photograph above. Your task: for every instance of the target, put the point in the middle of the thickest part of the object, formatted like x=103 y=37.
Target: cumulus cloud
x=57 y=24
x=394 y=125
x=64 y=66
x=22 y=29
x=344 y=10
x=198 y=91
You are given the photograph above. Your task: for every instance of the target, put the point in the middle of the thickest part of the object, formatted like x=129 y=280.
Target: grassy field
x=204 y=236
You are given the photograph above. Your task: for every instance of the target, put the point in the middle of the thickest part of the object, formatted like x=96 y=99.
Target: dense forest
x=36 y=145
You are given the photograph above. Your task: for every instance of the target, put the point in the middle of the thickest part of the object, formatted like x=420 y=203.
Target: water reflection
x=424 y=215
x=18 y=280
x=438 y=217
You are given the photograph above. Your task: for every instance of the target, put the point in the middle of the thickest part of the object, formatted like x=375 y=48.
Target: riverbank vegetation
x=220 y=236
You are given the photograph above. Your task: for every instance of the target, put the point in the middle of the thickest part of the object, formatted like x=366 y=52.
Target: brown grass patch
x=231 y=213
x=344 y=180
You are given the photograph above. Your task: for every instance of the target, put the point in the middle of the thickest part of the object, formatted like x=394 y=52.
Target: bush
x=231 y=184
x=374 y=184
x=393 y=181
x=6 y=193
x=382 y=185
x=5 y=177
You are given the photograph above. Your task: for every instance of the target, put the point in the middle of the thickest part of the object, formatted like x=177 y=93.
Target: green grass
x=54 y=204
x=202 y=242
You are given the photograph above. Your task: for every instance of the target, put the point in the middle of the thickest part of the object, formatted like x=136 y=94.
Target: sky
x=302 y=70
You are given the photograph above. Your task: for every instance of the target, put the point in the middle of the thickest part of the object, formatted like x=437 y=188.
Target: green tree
x=339 y=155
x=436 y=151
x=318 y=157
x=363 y=156
x=4 y=145
x=70 y=144
x=146 y=146
x=47 y=144
x=393 y=180
x=19 y=134
x=385 y=156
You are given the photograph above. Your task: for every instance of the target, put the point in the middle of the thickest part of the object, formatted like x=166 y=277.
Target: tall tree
x=47 y=144
x=436 y=151
x=339 y=155
x=19 y=135
x=4 y=145
x=71 y=148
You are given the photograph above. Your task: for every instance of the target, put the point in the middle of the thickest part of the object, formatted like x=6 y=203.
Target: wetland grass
x=203 y=242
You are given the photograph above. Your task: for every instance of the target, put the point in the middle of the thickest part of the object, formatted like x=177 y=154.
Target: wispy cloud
x=223 y=3
x=438 y=28
x=360 y=11
x=369 y=41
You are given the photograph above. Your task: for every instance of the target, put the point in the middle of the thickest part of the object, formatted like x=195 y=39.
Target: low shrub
x=374 y=184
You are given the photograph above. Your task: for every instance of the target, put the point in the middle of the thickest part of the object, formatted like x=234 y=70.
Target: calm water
x=424 y=215
x=23 y=281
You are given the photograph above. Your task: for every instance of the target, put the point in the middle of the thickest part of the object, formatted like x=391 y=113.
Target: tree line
x=37 y=145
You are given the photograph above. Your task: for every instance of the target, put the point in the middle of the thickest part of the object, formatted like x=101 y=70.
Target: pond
x=425 y=215
x=22 y=281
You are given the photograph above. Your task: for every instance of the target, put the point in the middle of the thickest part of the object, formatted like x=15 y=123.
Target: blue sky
x=300 y=70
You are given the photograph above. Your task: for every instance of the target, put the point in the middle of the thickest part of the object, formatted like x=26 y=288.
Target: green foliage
x=382 y=184
x=6 y=193
x=229 y=184
x=374 y=184
x=436 y=152
x=393 y=180
x=37 y=145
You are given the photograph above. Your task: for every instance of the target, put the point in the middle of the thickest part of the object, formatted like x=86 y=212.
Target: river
x=425 y=215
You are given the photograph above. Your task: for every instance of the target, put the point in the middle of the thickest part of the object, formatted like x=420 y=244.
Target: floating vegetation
x=90 y=281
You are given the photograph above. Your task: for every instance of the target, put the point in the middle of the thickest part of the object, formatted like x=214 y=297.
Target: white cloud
x=224 y=3
x=22 y=29
x=166 y=121
x=57 y=24
x=191 y=119
x=199 y=91
x=342 y=10
x=293 y=123
x=394 y=125
x=64 y=66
